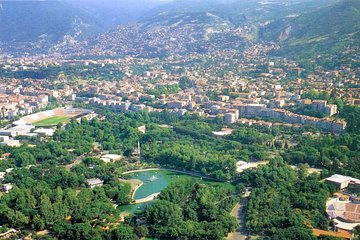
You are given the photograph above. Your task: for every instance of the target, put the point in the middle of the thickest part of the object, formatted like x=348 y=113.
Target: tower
x=139 y=150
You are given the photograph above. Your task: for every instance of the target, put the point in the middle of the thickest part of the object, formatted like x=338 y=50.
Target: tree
x=17 y=219
x=38 y=222
x=141 y=231
x=46 y=209
x=240 y=188
x=191 y=210
x=357 y=232
x=284 y=200
x=123 y=232
x=163 y=213
x=86 y=231
x=184 y=83
x=293 y=233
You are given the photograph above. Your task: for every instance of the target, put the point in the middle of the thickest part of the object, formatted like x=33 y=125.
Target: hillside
x=43 y=23
x=174 y=28
x=328 y=30
x=302 y=28
x=186 y=26
x=115 y=12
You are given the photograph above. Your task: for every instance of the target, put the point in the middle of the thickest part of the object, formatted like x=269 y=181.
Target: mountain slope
x=328 y=30
x=175 y=28
x=187 y=26
x=301 y=27
x=43 y=23
x=114 y=12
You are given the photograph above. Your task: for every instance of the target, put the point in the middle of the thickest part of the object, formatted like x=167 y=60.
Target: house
x=4 y=138
x=7 y=187
x=230 y=117
x=342 y=181
x=2 y=176
x=11 y=143
x=142 y=129
x=223 y=98
x=224 y=132
x=4 y=156
x=111 y=158
x=94 y=182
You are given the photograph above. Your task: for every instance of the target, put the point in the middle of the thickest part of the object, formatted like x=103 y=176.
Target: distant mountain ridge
x=28 y=21
x=301 y=27
x=43 y=23
x=115 y=12
x=174 y=28
x=328 y=30
x=36 y=26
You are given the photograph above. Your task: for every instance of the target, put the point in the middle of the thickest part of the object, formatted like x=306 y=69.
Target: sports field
x=52 y=121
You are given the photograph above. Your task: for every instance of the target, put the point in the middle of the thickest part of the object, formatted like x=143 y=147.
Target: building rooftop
x=337 y=178
x=112 y=156
x=344 y=210
x=22 y=128
x=340 y=233
x=223 y=132
x=94 y=181
x=45 y=131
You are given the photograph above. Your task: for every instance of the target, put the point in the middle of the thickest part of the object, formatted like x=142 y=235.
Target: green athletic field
x=52 y=121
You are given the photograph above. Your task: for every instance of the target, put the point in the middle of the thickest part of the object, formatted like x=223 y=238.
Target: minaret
x=139 y=150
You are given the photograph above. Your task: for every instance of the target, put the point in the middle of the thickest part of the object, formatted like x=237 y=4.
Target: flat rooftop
x=21 y=128
x=337 y=178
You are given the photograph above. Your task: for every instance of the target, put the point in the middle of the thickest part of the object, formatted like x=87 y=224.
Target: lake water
x=154 y=181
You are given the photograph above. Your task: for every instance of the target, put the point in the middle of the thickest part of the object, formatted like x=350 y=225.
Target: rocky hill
x=327 y=30
x=302 y=28
x=37 y=24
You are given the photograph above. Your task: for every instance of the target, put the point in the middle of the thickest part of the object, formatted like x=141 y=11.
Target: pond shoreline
x=137 y=183
x=135 y=189
x=148 y=190
x=195 y=174
x=149 y=198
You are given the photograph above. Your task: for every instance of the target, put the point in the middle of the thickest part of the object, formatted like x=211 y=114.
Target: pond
x=133 y=208
x=154 y=181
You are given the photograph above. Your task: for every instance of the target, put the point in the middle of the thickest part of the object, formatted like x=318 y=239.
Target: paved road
x=239 y=213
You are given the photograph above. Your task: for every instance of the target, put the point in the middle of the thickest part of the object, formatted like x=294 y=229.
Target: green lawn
x=52 y=121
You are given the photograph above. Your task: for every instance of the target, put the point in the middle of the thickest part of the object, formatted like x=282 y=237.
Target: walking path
x=148 y=198
x=310 y=169
x=141 y=170
x=173 y=170
x=135 y=185
x=239 y=213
